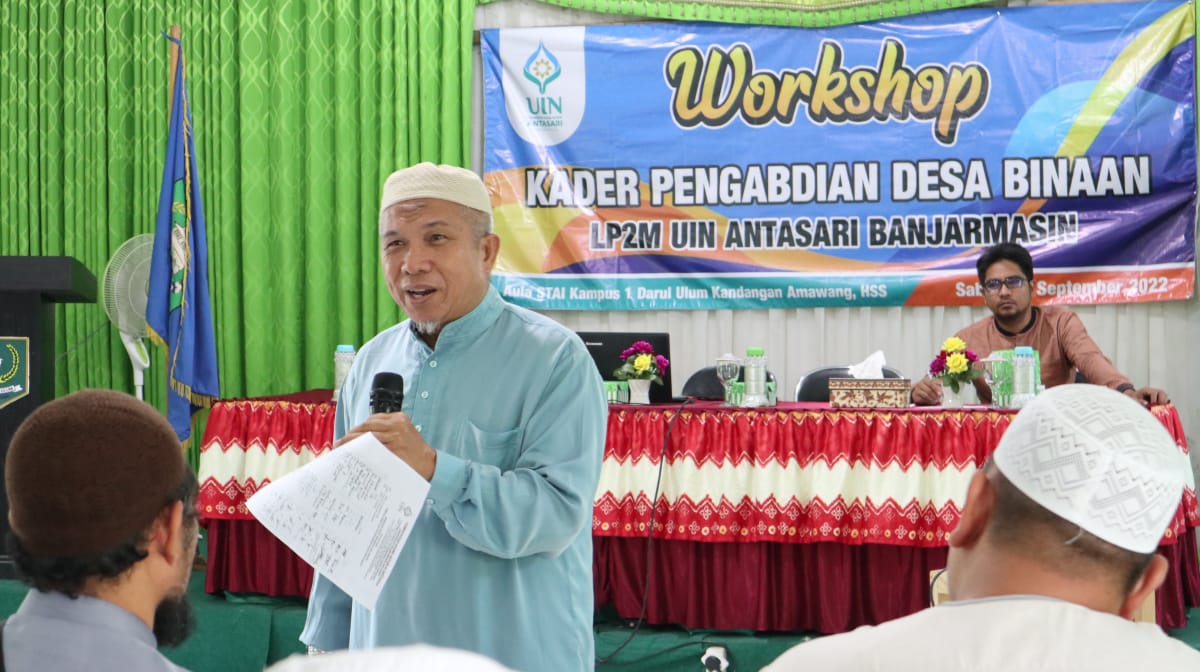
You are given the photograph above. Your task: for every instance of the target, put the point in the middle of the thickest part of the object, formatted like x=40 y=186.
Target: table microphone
x=387 y=393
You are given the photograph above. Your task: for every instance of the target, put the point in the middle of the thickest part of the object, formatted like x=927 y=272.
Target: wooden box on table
x=868 y=392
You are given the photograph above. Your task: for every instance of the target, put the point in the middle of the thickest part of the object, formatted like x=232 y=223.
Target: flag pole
x=175 y=33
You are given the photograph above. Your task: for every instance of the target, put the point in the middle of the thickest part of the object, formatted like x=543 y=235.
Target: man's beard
x=426 y=328
x=173 y=621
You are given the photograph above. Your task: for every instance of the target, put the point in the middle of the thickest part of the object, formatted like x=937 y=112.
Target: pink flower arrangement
x=640 y=362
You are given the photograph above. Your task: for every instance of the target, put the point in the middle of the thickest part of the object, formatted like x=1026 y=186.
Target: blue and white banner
x=678 y=165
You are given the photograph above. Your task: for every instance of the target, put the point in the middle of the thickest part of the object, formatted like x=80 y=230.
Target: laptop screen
x=606 y=348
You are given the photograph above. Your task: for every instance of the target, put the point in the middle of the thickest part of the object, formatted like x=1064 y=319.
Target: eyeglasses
x=1012 y=282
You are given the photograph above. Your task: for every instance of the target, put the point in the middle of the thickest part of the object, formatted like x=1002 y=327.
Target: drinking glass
x=989 y=376
x=728 y=367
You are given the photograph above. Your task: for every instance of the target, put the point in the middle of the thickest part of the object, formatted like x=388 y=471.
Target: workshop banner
x=705 y=166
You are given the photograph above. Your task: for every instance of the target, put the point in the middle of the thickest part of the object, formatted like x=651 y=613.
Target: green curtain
x=300 y=110
x=803 y=13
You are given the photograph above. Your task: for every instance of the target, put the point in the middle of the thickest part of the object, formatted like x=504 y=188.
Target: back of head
x=1088 y=473
x=1005 y=252
x=86 y=474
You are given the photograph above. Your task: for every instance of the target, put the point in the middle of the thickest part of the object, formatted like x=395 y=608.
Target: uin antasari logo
x=541 y=68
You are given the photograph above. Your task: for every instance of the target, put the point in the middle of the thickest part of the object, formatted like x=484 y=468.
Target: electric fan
x=123 y=290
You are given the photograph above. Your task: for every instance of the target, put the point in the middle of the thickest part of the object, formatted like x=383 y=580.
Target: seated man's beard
x=173 y=620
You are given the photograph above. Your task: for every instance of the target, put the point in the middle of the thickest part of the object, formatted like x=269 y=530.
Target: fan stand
x=124 y=286
x=139 y=357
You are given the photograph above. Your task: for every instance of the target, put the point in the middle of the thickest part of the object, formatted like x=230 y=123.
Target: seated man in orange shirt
x=1006 y=274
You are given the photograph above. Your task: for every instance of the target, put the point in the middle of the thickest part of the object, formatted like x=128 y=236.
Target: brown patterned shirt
x=1061 y=341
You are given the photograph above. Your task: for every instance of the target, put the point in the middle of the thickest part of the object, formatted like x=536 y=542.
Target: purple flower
x=642 y=348
x=638 y=348
x=938 y=365
x=661 y=362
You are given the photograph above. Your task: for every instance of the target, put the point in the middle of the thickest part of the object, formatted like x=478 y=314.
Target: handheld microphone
x=387 y=393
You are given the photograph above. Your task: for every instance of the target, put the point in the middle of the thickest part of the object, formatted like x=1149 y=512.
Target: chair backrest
x=704 y=384
x=814 y=385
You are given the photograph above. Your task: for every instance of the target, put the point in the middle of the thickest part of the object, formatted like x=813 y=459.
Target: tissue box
x=868 y=392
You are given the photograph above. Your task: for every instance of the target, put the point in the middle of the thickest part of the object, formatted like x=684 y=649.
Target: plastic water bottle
x=343 y=357
x=754 y=375
x=1024 y=387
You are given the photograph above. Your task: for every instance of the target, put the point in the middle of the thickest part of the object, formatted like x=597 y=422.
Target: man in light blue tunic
x=505 y=415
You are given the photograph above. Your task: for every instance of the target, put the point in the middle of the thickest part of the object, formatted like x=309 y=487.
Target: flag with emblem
x=178 y=310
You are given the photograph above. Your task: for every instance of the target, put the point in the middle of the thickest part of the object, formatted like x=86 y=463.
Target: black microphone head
x=387 y=392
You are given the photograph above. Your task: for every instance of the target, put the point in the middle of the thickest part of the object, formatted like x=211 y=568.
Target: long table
x=793 y=517
x=802 y=516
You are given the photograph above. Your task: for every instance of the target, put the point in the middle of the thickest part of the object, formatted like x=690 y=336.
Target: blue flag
x=178 y=311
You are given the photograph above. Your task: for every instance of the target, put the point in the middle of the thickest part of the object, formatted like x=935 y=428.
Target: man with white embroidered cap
x=505 y=416
x=1052 y=556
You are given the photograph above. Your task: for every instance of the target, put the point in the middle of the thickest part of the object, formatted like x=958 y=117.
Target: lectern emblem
x=14 y=368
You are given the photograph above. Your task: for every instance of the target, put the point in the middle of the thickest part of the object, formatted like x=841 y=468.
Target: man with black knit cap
x=102 y=508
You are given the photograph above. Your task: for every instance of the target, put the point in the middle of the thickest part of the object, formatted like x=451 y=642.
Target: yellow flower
x=954 y=344
x=642 y=363
x=957 y=362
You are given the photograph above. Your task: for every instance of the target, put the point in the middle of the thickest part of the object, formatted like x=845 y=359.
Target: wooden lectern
x=29 y=288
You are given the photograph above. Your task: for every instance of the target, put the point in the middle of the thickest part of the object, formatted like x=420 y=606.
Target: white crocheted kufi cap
x=1098 y=459
x=426 y=180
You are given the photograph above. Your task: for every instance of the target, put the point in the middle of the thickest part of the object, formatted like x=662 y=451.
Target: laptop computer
x=606 y=347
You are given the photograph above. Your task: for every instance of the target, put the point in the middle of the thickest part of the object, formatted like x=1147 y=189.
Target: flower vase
x=952 y=399
x=639 y=390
